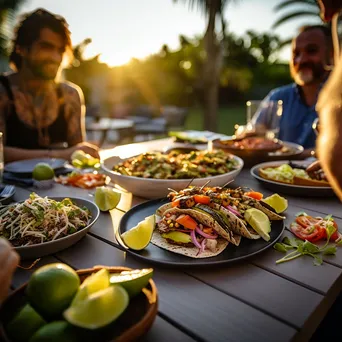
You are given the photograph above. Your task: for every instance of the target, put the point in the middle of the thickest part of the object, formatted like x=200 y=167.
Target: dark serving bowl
x=283 y=150
x=51 y=247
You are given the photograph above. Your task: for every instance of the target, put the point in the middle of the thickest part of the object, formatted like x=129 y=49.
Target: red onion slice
x=194 y=240
x=233 y=211
x=205 y=235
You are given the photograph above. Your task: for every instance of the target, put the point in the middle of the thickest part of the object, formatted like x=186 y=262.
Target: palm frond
x=285 y=42
x=288 y=3
x=295 y=15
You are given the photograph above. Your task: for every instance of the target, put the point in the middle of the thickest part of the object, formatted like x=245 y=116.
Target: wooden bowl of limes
x=22 y=320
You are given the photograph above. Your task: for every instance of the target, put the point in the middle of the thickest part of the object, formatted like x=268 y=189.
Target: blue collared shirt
x=295 y=123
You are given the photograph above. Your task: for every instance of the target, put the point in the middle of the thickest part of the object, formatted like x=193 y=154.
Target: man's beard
x=308 y=73
x=40 y=69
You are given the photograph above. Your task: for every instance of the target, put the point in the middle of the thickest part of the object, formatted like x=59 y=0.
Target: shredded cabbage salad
x=40 y=219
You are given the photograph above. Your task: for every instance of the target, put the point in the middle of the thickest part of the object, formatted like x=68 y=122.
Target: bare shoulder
x=72 y=92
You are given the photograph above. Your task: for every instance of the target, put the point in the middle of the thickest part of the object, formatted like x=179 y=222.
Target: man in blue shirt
x=311 y=54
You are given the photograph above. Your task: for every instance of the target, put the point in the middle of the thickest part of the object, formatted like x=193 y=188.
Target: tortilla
x=259 y=205
x=237 y=225
x=161 y=210
x=191 y=252
x=208 y=221
x=309 y=182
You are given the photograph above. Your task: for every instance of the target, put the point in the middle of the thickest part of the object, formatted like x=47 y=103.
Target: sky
x=123 y=29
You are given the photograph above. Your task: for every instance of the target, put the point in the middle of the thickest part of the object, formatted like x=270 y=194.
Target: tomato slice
x=315 y=226
x=311 y=233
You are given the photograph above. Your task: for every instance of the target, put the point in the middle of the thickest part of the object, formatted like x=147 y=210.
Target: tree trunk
x=211 y=68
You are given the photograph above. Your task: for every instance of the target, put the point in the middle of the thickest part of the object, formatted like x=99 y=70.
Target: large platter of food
x=199 y=226
x=150 y=174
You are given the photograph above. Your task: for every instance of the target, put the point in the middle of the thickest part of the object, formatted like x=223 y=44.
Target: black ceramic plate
x=290 y=189
x=158 y=255
x=26 y=166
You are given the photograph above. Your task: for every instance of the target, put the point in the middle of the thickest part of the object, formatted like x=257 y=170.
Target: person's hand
x=315 y=166
x=85 y=147
x=9 y=261
x=315 y=171
x=329 y=8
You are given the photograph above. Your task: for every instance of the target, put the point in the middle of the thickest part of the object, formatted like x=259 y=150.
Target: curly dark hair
x=28 y=31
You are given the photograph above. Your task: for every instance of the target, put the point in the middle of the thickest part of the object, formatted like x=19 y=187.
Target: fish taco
x=191 y=233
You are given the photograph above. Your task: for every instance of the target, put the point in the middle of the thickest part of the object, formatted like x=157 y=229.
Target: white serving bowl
x=157 y=188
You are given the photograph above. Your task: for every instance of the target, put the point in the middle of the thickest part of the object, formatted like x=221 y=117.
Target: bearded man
x=311 y=54
x=40 y=116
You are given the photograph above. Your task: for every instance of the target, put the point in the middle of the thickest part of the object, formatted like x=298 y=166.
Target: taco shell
x=237 y=225
x=191 y=252
x=309 y=182
x=208 y=221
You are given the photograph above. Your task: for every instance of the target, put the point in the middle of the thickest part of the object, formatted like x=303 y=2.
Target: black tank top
x=21 y=135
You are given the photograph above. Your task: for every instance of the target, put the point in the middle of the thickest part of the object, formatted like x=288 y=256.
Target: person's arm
x=330 y=137
x=74 y=113
x=9 y=261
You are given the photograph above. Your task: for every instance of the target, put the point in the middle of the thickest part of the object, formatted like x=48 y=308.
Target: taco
x=191 y=233
x=288 y=174
x=231 y=204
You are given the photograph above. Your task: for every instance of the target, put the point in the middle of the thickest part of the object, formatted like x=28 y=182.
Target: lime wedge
x=133 y=281
x=107 y=198
x=99 y=308
x=259 y=222
x=278 y=203
x=96 y=282
x=140 y=236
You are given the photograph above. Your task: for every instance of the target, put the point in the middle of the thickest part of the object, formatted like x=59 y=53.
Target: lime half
x=98 y=309
x=107 y=198
x=140 y=236
x=133 y=281
x=259 y=222
x=278 y=203
x=96 y=282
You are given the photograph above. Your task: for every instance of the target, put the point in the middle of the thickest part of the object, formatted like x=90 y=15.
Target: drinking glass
x=270 y=110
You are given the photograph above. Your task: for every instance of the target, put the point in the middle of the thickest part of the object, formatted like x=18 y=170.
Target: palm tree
x=7 y=11
x=309 y=9
x=213 y=10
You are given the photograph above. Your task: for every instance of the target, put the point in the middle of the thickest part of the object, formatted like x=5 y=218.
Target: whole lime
x=43 y=171
x=57 y=331
x=51 y=289
x=24 y=324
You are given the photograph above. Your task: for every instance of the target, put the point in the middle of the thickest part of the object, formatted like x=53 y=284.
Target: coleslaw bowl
x=51 y=247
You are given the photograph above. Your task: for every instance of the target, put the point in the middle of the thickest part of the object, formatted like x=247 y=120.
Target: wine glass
x=265 y=117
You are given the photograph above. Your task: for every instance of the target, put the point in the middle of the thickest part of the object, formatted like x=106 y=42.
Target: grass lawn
x=227 y=118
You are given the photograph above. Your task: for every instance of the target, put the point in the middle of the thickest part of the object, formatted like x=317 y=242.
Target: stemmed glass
x=270 y=110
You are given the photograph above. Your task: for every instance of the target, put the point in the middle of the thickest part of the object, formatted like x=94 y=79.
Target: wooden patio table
x=253 y=300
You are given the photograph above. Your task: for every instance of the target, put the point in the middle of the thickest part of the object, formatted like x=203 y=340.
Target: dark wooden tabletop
x=254 y=300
